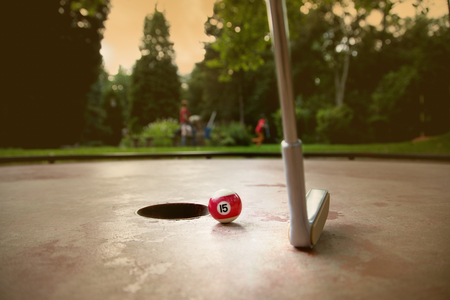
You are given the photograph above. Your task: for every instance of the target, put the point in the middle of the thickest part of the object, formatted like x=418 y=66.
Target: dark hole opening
x=174 y=211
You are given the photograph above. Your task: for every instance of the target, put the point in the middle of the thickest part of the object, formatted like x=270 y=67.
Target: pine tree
x=155 y=83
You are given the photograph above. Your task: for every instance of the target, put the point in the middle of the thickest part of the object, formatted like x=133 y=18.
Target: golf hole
x=174 y=211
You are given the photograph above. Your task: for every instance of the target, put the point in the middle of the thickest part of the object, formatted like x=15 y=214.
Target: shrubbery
x=334 y=124
x=232 y=134
x=160 y=131
x=305 y=123
x=279 y=122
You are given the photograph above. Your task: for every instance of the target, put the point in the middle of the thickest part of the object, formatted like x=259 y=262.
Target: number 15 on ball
x=225 y=206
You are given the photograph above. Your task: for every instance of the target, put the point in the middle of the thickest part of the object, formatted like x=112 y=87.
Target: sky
x=124 y=29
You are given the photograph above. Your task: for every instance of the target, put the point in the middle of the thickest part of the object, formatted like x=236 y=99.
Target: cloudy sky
x=123 y=33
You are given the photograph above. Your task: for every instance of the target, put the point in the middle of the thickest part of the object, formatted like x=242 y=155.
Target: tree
x=412 y=98
x=240 y=28
x=113 y=121
x=348 y=73
x=51 y=59
x=94 y=131
x=155 y=84
x=208 y=91
x=106 y=112
x=237 y=26
x=121 y=84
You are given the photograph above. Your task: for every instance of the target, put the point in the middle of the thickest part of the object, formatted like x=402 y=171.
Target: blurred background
x=107 y=72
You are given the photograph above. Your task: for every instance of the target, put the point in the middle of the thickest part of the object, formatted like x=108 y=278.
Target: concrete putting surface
x=71 y=231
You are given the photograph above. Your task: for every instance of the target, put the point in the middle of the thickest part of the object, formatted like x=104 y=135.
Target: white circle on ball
x=223 y=208
x=223 y=193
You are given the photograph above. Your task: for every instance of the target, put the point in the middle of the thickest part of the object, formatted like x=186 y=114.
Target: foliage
x=243 y=97
x=390 y=78
x=161 y=131
x=435 y=145
x=232 y=134
x=387 y=102
x=305 y=114
x=279 y=123
x=121 y=85
x=94 y=130
x=339 y=57
x=114 y=105
x=207 y=94
x=155 y=85
x=237 y=87
x=113 y=121
x=334 y=124
x=52 y=60
x=238 y=35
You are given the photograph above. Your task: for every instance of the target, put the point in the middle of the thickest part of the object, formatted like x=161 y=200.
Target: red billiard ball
x=225 y=206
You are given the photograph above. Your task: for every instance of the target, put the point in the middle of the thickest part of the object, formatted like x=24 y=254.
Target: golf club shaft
x=299 y=232
x=279 y=29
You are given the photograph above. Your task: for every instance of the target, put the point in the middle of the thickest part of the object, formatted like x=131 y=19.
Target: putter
x=309 y=213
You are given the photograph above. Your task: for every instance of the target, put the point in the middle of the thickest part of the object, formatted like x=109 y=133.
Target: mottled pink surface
x=70 y=231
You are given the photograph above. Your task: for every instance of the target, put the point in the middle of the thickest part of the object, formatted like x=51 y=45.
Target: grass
x=435 y=145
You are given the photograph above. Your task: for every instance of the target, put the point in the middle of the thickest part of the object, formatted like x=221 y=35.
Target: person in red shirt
x=262 y=123
x=186 y=127
x=184 y=112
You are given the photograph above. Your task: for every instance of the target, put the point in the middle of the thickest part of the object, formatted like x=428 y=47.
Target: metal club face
x=308 y=213
x=318 y=206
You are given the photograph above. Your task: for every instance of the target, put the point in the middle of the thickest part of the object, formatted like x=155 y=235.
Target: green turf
x=435 y=145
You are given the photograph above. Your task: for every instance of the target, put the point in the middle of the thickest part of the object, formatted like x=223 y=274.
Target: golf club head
x=318 y=206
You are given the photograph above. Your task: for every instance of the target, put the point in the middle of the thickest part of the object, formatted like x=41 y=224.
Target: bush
x=279 y=122
x=305 y=122
x=233 y=134
x=334 y=124
x=160 y=131
x=306 y=109
x=395 y=106
x=126 y=142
